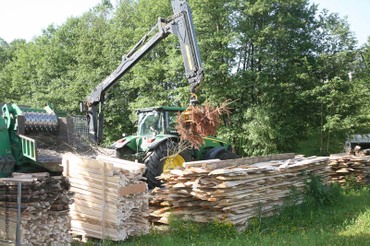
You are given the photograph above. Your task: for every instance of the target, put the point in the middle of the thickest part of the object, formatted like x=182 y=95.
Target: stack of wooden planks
x=44 y=208
x=346 y=167
x=232 y=190
x=110 y=198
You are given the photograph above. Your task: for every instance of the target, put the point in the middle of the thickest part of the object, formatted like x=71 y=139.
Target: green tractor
x=157 y=144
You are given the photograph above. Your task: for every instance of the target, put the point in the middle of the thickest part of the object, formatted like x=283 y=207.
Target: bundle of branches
x=199 y=121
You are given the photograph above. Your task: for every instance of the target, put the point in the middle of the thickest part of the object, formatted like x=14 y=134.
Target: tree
x=337 y=98
x=273 y=45
x=284 y=70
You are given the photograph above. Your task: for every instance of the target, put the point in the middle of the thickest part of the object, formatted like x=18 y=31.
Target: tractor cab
x=154 y=125
x=157 y=120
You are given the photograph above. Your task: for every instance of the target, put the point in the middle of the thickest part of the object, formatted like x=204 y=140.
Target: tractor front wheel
x=165 y=156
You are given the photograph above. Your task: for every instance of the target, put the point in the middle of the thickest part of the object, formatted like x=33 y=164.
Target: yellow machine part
x=187 y=115
x=173 y=162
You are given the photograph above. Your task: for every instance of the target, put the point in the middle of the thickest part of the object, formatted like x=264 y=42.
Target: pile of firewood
x=44 y=214
x=346 y=167
x=232 y=190
x=110 y=198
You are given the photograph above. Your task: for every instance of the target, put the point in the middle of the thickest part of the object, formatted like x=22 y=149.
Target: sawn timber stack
x=110 y=198
x=346 y=167
x=44 y=209
x=233 y=190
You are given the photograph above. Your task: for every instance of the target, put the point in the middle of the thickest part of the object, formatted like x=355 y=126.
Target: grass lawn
x=346 y=221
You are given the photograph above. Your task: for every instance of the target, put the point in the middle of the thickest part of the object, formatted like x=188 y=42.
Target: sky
x=27 y=18
x=357 y=12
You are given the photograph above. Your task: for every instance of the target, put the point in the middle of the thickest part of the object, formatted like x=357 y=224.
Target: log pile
x=232 y=190
x=44 y=209
x=110 y=198
x=346 y=167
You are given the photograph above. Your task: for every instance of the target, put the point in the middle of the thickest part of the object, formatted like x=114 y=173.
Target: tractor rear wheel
x=165 y=156
x=226 y=155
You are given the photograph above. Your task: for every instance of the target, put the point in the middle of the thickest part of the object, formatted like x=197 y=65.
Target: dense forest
x=296 y=77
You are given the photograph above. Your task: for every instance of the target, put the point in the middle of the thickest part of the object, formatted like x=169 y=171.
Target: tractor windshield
x=171 y=121
x=150 y=123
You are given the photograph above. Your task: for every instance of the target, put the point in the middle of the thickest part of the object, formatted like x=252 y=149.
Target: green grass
x=342 y=220
x=347 y=222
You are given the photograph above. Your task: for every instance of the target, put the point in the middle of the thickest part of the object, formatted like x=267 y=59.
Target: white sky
x=26 y=18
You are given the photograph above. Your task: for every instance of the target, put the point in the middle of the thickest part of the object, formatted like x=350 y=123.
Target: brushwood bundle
x=199 y=121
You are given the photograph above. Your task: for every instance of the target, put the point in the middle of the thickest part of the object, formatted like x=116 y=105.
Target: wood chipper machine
x=21 y=129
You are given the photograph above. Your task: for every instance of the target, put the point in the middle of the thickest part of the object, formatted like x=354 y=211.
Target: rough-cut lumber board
x=88 y=198
x=90 y=165
x=15 y=181
x=96 y=220
x=214 y=164
x=96 y=191
x=81 y=172
x=132 y=189
x=96 y=205
x=199 y=163
x=99 y=182
x=119 y=164
x=101 y=212
x=93 y=195
x=97 y=185
x=113 y=192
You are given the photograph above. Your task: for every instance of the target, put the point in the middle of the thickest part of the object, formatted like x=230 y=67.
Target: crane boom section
x=179 y=24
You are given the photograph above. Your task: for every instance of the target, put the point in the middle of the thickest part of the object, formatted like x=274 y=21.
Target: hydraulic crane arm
x=181 y=25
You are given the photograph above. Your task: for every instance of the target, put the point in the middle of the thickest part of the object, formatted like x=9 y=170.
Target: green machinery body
x=7 y=160
x=17 y=151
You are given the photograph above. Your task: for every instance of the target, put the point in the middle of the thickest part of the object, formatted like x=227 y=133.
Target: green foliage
x=318 y=194
x=5 y=53
x=353 y=184
x=313 y=144
x=283 y=64
x=259 y=132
